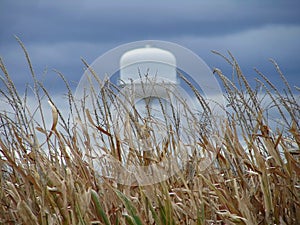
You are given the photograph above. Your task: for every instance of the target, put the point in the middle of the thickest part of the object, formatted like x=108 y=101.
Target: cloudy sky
x=58 y=33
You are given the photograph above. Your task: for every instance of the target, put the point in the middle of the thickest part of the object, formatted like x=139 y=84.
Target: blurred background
x=58 y=33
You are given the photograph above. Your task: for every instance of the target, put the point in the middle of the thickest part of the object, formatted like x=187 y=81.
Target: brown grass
x=254 y=180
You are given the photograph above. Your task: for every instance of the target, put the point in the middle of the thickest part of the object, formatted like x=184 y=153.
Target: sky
x=57 y=34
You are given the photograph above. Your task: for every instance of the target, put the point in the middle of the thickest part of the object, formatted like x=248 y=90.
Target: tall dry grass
x=254 y=179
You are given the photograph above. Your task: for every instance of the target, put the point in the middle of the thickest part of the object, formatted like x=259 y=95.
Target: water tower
x=148 y=77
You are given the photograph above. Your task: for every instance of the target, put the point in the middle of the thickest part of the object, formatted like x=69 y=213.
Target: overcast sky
x=58 y=33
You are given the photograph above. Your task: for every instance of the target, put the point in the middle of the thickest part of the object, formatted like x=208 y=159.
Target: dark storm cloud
x=94 y=21
x=58 y=33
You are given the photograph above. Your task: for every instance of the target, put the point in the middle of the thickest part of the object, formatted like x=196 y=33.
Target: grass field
x=255 y=178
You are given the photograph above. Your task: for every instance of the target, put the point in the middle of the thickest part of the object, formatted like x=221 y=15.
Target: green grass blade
x=131 y=209
x=99 y=209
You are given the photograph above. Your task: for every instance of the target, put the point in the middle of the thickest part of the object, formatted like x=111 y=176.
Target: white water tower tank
x=157 y=64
